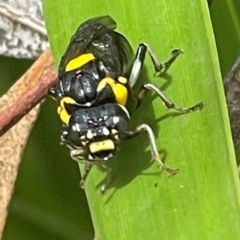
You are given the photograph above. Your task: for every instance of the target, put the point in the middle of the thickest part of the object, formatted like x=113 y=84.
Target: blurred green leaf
x=203 y=200
x=194 y=203
x=11 y=70
x=225 y=17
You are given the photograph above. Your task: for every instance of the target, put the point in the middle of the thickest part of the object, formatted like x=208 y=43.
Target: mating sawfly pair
x=95 y=95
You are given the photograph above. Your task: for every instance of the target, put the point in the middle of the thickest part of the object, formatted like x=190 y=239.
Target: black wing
x=97 y=35
x=114 y=50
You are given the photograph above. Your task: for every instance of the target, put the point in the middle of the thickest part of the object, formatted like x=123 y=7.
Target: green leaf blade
x=202 y=201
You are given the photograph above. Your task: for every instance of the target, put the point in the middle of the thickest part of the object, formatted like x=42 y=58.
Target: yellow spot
x=101 y=146
x=118 y=89
x=61 y=110
x=122 y=80
x=79 y=61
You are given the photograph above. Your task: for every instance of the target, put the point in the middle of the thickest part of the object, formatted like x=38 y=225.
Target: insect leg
x=158 y=66
x=137 y=64
x=108 y=180
x=56 y=91
x=76 y=155
x=88 y=168
x=154 y=151
x=53 y=92
x=168 y=102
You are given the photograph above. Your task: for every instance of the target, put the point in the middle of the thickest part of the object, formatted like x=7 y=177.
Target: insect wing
x=85 y=34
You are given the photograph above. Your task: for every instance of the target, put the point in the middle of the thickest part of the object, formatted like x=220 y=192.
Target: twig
x=18 y=101
x=42 y=75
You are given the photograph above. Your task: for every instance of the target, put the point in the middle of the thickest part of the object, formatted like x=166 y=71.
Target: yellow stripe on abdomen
x=79 y=61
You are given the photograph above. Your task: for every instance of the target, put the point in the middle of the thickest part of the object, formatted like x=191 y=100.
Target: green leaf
x=202 y=201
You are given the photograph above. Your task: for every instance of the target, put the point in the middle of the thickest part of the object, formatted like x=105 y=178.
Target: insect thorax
x=87 y=80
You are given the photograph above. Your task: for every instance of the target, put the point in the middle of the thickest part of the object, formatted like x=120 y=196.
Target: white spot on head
x=106 y=131
x=114 y=131
x=116 y=119
x=89 y=134
x=77 y=127
x=65 y=133
x=83 y=137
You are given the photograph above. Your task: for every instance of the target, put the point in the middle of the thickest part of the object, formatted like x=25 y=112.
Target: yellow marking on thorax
x=61 y=110
x=79 y=61
x=119 y=90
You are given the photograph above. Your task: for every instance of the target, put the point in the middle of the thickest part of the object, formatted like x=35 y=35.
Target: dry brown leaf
x=20 y=102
